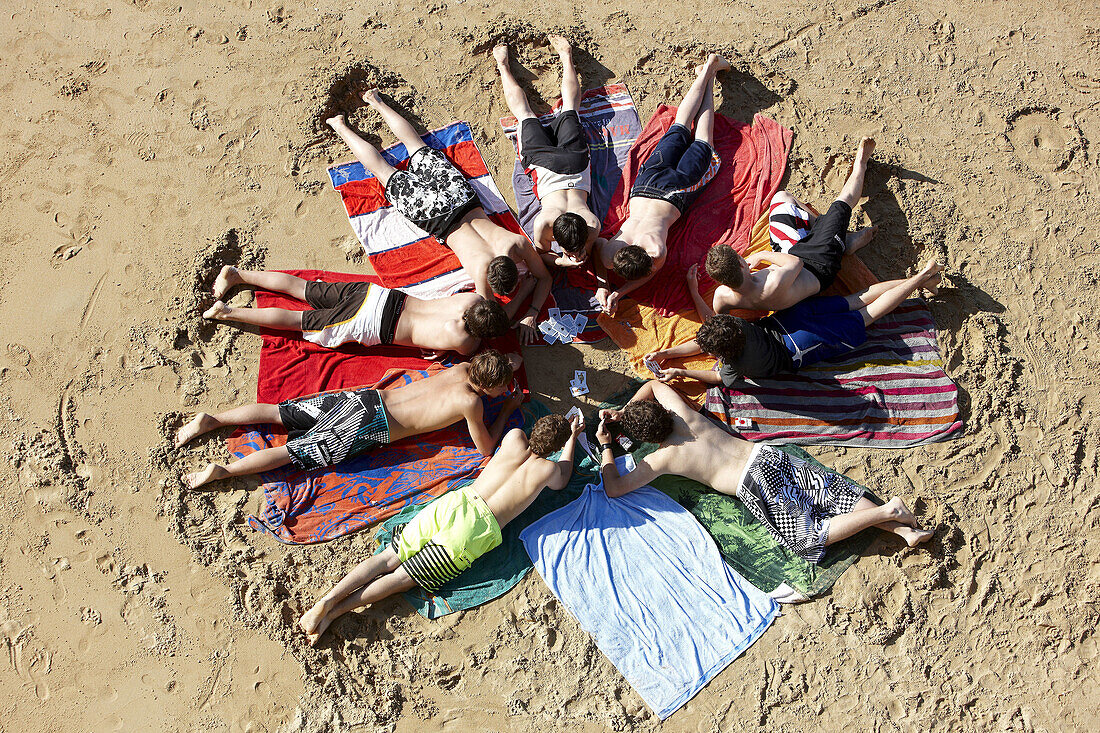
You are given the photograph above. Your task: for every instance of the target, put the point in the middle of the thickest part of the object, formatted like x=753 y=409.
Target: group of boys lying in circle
x=806 y=508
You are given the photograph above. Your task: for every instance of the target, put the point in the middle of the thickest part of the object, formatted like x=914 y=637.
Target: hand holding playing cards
x=612 y=303
x=610 y=415
x=576 y=424
x=669 y=374
x=603 y=435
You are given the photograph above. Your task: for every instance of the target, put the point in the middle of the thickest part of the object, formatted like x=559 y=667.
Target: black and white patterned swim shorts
x=795 y=499
x=432 y=193
x=330 y=428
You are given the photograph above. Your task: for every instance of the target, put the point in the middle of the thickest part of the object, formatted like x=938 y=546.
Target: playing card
x=742 y=422
x=579 y=322
x=625 y=442
x=574 y=411
x=554 y=313
x=580 y=376
x=625 y=464
x=652 y=366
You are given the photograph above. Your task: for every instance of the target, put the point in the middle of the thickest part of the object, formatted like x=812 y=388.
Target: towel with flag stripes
x=891 y=392
x=406 y=257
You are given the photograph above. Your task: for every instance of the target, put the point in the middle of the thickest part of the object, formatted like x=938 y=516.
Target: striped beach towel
x=891 y=392
x=611 y=124
x=405 y=256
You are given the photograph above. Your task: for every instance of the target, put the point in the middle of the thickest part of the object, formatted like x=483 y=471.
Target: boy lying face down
x=807 y=257
x=329 y=428
x=460 y=526
x=558 y=161
x=667 y=183
x=813 y=330
x=368 y=314
x=805 y=508
x=434 y=195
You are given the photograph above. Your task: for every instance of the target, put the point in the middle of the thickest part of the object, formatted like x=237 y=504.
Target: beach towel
x=890 y=392
x=611 y=124
x=405 y=256
x=645 y=580
x=747 y=545
x=499 y=570
x=754 y=159
x=306 y=507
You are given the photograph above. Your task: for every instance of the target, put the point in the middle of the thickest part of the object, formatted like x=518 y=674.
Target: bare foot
x=900 y=513
x=370 y=96
x=931 y=272
x=227 y=278
x=216 y=312
x=212 y=472
x=500 y=53
x=855 y=241
x=560 y=44
x=866 y=147
x=199 y=424
x=932 y=284
x=914 y=536
x=313 y=621
x=716 y=63
x=336 y=122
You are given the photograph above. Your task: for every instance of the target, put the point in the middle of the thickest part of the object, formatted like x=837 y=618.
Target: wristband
x=605 y=446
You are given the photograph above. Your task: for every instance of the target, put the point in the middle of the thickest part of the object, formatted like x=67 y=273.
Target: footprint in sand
x=1041 y=141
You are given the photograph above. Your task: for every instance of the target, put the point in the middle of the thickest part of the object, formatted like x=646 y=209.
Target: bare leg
x=857 y=240
x=243 y=415
x=401 y=128
x=853 y=187
x=514 y=95
x=278 y=282
x=364 y=152
x=882 y=298
x=389 y=578
x=893 y=516
x=362 y=574
x=262 y=460
x=570 y=84
x=278 y=318
x=693 y=100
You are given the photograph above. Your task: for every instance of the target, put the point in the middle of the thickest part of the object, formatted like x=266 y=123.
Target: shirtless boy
x=807 y=260
x=667 y=183
x=557 y=160
x=368 y=314
x=447 y=536
x=329 y=428
x=436 y=197
x=814 y=330
x=806 y=508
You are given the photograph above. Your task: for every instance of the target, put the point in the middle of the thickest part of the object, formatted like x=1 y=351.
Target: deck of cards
x=562 y=328
x=579 y=385
x=652 y=366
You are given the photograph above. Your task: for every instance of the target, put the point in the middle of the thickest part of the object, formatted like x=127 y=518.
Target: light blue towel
x=645 y=579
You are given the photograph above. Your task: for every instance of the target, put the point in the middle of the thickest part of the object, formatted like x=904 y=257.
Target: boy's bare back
x=429 y=404
x=514 y=477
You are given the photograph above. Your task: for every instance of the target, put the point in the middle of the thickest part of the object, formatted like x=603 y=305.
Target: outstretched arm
x=701 y=305
x=700 y=375
x=536 y=267
x=781 y=260
x=615 y=485
x=525 y=287
x=565 y=461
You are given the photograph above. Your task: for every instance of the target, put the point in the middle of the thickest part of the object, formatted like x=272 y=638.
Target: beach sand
x=147 y=143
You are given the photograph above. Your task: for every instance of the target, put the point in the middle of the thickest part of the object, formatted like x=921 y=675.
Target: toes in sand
x=916 y=536
x=370 y=96
x=336 y=121
x=857 y=240
x=500 y=54
x=900 y=513
x=559 y=44
x=212 y=472
x=866 y=147
x=226 y=279
x=216 y=312
x=198 y=425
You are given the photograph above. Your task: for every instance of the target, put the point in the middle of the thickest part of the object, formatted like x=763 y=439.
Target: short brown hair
x=486 y=319
x=503 y=275
x=548 y=435
x=724 y=266
x=632 y=262
x=722 y=336
x=571 y=232
x=646 y=420
x=490 y=369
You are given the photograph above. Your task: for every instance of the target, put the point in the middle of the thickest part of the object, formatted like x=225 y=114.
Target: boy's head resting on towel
x=486 y=319
x=725 y=266
x=548 y=435
x=721 y=336
x=646 y=420
x=503 y=275
x=571 y=233
x=490 y=372
x=632 y=263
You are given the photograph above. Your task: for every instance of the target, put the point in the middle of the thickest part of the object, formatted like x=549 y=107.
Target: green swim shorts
x=446 y=537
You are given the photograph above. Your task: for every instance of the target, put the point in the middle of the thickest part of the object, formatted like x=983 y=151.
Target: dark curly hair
x=490 y=369
x=722 y=336
x=548 y=435
x=724 y=266
x=486 y=319
x=646 y=420
x=632 y=262
x=503 y=275
x=571 y=232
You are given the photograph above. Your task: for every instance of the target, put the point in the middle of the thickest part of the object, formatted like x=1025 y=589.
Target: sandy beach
x=149 y=143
